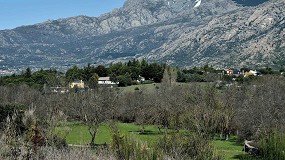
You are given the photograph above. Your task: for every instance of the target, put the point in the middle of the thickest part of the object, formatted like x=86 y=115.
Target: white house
x=252 y=72
x=77 y=83
x=105 y=80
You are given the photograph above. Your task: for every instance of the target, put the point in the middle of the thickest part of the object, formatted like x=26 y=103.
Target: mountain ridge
x=157 y=33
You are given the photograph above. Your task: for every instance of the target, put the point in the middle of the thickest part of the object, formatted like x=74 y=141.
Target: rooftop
x=104 y=79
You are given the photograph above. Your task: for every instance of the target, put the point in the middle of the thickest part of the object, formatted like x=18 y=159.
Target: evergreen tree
x=28 y=73
x=74 y=73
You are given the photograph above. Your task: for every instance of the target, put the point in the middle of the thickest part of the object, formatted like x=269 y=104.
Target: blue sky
x=15 y=13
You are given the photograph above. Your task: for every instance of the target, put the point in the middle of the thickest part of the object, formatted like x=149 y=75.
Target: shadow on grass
x=235 y=141
x=146 y=132
x=245 y=156
x=153 y=132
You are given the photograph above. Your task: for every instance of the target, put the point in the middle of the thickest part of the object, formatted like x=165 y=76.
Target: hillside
x=218 y=32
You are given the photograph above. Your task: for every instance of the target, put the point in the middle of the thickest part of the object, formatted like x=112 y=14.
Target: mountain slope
x=218 y=32
x=242 y=38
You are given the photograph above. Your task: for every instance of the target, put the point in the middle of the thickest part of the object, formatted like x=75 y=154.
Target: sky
x=15 y=13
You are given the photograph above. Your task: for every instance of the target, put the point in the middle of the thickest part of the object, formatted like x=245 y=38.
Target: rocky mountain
x=222 y=33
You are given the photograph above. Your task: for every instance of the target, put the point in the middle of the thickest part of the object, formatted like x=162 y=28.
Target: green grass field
x=77 y=133
x=230 y=149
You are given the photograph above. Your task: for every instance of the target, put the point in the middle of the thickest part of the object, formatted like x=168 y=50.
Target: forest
x=188 y=115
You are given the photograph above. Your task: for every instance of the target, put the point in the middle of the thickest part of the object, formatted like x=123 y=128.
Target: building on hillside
x=230 y=72
x=77 y=83
x=235 y=72
x=252 y=73
x=105 y=81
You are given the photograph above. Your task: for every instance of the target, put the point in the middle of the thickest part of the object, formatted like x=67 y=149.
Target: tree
x=266 y=70
x=208 y=69
x=134 y=72
x=88 y=72
x=116 y=69
x=169 y=76
x=124 y=80
x=101 y=71
x=73 y=74
x=93 y=81
x=227 y=112
x=7 y=110
x=153 y=72
x=91 y=107
x=259 y=108
x=181 y=76
x=28 y=73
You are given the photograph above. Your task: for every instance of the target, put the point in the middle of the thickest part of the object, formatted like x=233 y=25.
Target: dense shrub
x=8 y=110
x=126 y=148
x=187 y=146
x=272 y=146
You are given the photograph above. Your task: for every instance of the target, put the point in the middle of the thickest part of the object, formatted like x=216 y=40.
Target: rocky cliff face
x=218 y=32
x=245 y=37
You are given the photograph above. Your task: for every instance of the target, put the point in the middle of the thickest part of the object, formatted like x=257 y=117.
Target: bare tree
x=169 y=76
x=96 y=107
x=262 y=108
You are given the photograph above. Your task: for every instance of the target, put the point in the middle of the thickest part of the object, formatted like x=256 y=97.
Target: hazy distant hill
x=218 y=32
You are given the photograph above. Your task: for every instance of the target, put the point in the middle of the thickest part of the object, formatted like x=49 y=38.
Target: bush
x=187 y=146
x=8 y=110
x=272 y=146
x=147 y=82
x=57 y=142
x=126 y=148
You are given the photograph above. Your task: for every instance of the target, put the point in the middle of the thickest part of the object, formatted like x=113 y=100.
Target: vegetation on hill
x=126 y=74
x=176 y=120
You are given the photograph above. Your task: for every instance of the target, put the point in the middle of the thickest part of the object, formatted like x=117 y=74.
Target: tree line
x=126 y=74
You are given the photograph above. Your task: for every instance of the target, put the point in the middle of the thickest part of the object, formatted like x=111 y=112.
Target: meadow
x=77 y=134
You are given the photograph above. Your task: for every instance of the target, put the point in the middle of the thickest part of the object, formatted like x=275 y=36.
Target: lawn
x=77 y=133
x=143 y=87
x=230 y=149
